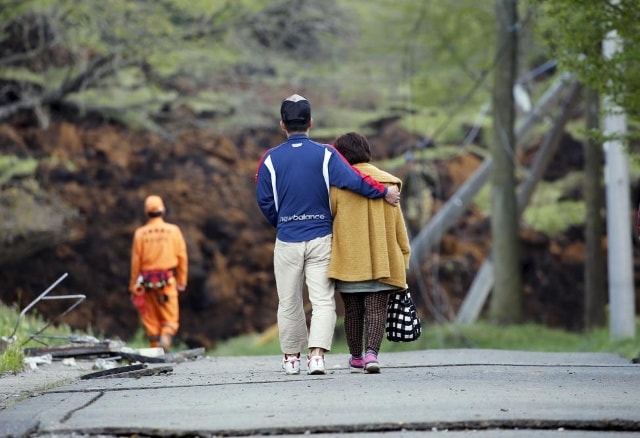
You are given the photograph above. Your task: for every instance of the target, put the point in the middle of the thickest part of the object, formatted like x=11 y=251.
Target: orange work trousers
x=161 y=315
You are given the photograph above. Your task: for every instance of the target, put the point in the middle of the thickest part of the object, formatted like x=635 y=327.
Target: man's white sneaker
x=315 y=364
x=291 y=364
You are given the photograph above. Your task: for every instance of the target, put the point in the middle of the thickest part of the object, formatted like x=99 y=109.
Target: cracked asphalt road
x=450 y=392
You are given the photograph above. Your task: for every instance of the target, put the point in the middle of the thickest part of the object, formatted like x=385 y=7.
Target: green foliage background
x=573 y=31
x=237 y=59
x=356 y=60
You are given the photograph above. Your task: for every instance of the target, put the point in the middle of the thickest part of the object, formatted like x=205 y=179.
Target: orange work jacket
x=158 y=245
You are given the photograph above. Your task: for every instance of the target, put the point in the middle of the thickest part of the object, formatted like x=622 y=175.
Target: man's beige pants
x=294 y=263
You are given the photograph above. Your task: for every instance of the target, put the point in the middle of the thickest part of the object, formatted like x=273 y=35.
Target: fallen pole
x=484 y=280
x=448 y=215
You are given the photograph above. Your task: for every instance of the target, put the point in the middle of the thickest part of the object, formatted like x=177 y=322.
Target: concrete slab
x=452 y=390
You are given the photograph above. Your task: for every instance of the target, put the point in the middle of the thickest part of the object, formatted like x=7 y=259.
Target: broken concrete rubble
x=111 y=358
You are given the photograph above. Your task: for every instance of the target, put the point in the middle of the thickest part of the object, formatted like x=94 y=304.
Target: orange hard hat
x=153 y=204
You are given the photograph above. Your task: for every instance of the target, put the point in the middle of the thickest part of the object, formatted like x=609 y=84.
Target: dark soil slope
x=104 y=172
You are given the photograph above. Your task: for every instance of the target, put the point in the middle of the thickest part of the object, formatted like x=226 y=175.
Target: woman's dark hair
x=354 y=147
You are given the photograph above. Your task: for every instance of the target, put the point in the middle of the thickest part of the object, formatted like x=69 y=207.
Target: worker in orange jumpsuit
x=158 y=274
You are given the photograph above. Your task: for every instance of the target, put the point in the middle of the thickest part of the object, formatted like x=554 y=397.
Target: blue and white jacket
x=292 y=187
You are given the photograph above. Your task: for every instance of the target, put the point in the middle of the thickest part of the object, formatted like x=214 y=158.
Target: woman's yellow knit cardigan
x=370 y=240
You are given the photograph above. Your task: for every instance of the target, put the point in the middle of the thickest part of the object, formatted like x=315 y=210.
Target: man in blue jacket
x=292 y=190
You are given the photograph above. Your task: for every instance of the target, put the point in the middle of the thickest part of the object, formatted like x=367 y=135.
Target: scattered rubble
x=110 y=358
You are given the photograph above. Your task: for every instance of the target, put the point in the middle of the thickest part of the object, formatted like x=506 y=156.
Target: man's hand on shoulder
x=393 y=195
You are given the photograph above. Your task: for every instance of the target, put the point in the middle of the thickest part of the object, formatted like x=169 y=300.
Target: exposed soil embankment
x=104 y=172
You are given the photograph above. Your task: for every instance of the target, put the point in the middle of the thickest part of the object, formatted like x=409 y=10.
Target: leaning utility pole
x=619 y=234
x=449 y=214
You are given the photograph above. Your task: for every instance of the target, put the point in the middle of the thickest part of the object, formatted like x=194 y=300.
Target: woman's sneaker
x=315 y=364
x=291 y=363
x=356 y=364
x=371 y=364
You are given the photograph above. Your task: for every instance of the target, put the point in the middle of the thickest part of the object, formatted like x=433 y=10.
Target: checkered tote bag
x=403 y=323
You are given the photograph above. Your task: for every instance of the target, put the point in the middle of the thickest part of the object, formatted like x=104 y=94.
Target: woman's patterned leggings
x=365 y=315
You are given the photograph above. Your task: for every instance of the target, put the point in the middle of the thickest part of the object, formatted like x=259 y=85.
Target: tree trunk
x=484 y=280
x=595 y=293
x=506 y=302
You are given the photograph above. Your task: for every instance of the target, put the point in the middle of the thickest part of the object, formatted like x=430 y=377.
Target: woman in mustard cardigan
x=369 y=256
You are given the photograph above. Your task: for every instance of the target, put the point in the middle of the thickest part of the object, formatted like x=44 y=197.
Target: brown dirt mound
x=105 y=171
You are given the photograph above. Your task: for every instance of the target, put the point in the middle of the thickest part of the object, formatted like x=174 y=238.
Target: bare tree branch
x=99 y=68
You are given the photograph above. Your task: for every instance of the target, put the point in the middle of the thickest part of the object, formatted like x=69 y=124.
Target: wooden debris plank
x=136 y=371
x=109 y=372
x=151 y=371
x=72 y=351
x=144 y=359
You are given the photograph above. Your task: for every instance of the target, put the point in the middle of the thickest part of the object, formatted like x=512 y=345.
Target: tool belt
x=155 y=279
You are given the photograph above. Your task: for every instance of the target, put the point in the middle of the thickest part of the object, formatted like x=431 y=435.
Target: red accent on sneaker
x=315 y=364
x=291 y=363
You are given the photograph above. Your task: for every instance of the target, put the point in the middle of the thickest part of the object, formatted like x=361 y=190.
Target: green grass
x=527 y=337
x=12 y=357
